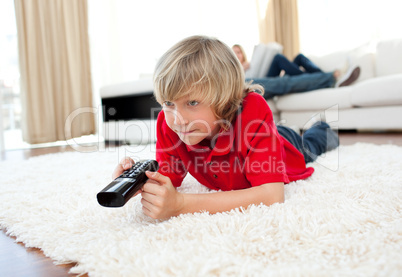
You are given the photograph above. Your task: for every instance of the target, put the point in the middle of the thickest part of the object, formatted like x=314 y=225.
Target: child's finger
x=151 y=187
x=126 y=163
x=156 y=176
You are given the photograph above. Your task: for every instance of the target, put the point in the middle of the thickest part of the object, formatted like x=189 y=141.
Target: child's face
x=191 y=119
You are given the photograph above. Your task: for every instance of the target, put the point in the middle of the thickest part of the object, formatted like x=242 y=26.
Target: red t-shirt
x=250 y=153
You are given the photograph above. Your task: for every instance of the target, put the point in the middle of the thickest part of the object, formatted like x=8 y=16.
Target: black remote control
x=121 y=189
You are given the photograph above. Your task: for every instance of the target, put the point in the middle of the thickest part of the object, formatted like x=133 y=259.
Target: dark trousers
x=315 y=141
x=280 y=63
x=277 y=86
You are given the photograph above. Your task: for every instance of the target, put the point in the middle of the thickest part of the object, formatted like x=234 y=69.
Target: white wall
x=127 y=37
x=330 y=25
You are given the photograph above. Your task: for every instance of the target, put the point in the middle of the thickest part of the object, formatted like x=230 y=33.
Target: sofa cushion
x=364 y=57
x=389 y=57
x=367 y=66
x=331 y=62
x=380 y=91
x=316 y=100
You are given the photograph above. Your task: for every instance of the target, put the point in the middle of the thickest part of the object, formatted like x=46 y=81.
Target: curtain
x=54 y=59
x=278 y=22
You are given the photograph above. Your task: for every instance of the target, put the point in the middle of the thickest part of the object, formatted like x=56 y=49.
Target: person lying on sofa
x=301 y=75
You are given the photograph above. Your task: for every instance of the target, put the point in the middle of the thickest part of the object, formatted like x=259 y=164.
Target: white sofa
x=373 y=102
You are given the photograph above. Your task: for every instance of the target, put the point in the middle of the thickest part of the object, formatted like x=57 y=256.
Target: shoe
x=350 y=77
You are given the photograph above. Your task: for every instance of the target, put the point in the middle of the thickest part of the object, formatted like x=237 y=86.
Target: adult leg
x=317 y=140
x=276 y=86
x=307 y=64
x=280 y=63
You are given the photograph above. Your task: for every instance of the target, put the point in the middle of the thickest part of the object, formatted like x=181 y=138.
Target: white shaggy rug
x=345 y=220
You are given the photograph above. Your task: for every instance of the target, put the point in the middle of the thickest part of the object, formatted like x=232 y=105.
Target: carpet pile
x=345 y=220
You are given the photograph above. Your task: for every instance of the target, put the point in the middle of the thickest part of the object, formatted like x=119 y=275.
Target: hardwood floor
x=17 y=260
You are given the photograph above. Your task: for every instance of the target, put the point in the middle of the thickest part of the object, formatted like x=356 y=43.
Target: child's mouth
x=185 y=132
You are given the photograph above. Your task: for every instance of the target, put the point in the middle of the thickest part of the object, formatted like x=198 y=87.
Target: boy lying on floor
x=220 y=130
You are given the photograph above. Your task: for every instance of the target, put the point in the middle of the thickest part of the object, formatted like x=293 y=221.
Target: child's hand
x=125 y=163
x=160 y=199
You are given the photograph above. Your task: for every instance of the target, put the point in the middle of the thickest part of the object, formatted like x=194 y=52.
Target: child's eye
x=168 y=104
x=193 y=103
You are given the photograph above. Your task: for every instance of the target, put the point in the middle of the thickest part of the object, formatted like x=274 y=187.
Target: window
x=10 y=105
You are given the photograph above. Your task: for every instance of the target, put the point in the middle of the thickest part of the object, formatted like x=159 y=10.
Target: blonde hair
x=206 y=68
x=242 y=52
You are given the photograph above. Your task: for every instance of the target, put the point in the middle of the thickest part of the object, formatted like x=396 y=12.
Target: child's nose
x=179 y=118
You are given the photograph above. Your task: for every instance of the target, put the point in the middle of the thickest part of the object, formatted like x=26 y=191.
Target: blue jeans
x=280 y=62
x=276 y=86
x=315 y=141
